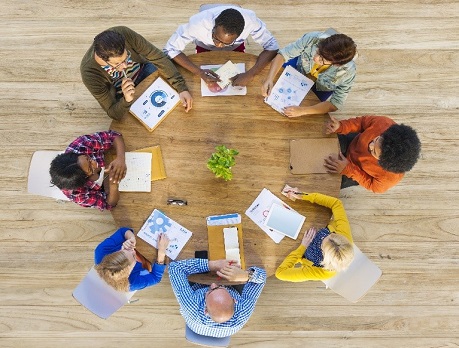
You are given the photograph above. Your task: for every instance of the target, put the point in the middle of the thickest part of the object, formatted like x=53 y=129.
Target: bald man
x=216 y=310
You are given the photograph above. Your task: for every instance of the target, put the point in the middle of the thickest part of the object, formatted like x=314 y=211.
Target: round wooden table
x=245 y=123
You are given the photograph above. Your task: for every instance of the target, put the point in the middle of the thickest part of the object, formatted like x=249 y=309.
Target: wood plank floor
x=407 y=69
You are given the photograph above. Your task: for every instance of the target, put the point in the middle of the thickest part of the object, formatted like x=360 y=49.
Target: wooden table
x=187 y=140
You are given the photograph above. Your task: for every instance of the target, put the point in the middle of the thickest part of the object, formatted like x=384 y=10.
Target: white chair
x=204 y=7
x=99 y=297
x=206 y=341
x=39 y=180
x=354 y=282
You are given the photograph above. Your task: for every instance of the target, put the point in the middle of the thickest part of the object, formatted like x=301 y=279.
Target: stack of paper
x=232 y=244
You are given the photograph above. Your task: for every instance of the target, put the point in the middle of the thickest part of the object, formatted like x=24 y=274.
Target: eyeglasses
x=216 y=288
x=217 y=41
x=172 y=201
x=125 y=61
x=322 y=60
x=90 y=165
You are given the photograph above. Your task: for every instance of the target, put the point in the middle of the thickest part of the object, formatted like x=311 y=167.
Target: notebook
x=285 y=220
x=158 y=171
x=138 y=173
x=307 y=155
x=152 y=107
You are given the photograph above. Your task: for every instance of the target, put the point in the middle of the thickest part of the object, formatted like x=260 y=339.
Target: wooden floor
x=408 y=70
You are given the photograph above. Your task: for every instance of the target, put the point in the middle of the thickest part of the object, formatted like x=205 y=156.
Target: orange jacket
x=363 y=167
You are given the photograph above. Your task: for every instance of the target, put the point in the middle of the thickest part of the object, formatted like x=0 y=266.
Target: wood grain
x=407 y=70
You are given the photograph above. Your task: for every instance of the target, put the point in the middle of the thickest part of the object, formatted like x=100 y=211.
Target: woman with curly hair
x=327 y=60
x=120 y=266
x=322 y=252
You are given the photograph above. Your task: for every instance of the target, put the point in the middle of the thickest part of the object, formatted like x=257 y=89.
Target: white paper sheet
x=159 y=223
x=229 y=90
x=289 y=90
x=259 y=210
x=138 y=173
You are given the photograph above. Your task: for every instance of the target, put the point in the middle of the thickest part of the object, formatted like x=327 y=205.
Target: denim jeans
x=344 y=142
x=146 y=70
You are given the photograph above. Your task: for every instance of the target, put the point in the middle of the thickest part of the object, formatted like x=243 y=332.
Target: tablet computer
x=284 y=220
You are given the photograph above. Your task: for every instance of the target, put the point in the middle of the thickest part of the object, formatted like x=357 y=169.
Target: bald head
x=220 y=305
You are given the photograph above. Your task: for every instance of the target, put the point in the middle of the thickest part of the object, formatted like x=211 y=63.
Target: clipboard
x=153 y=105
x=217 y=243
x=158 y=172
x=307 y=155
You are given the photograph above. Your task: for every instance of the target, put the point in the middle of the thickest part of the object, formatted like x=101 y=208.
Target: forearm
x=319 y=108
x=118 y=144
x=113 y=193
x=276 y=64
x=290 y=261
x=262 y=61
x=185 y=62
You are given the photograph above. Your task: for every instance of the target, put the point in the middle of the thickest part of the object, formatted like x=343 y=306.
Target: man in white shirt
x=222 y=28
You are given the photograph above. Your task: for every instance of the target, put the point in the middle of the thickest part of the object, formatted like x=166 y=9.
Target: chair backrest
x=204 y=7
x=38 y=182
x=206 y=341
x=99 y=297
x=354 y=282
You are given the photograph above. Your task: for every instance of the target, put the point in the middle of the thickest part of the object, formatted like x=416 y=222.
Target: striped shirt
x=192 y=298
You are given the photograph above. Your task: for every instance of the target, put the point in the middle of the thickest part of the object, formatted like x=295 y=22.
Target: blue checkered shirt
x=192 y=298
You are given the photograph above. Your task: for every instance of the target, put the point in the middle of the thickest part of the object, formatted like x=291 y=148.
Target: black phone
x=200 y=254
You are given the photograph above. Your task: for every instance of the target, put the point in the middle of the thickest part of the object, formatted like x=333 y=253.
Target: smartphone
x=201 y=254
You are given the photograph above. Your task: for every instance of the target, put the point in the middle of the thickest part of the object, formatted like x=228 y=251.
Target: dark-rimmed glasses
x=220 y=42
x=128 y=56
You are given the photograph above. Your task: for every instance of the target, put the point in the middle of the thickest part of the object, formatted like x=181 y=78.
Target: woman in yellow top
x=321 y=253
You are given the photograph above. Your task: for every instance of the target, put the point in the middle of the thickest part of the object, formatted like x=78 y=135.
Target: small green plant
x=220 y=162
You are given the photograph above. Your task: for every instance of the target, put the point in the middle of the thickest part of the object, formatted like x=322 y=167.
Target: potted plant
x=220 y=162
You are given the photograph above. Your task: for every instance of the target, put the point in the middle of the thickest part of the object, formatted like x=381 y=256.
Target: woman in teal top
x=327 y=60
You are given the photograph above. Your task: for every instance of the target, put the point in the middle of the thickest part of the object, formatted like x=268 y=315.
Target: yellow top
x=317 y=69
x=307 y=271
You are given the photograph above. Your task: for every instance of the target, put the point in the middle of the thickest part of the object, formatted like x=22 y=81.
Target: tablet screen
x=285 y=220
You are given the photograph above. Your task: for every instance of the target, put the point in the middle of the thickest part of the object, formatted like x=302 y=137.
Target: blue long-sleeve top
x=139 y=278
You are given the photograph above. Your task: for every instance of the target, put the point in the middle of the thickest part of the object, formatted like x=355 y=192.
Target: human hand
x=267 y=87
x=128 y=89
x=187 y=100
x=293 y=111
x=308 y=236
x=332 y=125
x=130 y=241
x=163 y=242
x=217 y=265
x=209 y=76
x=233 y=273
x=117 y=169
x=241 y=80
x=335 y=163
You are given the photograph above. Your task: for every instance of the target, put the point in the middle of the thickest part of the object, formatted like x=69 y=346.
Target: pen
x=255 y=207
x=124 y=73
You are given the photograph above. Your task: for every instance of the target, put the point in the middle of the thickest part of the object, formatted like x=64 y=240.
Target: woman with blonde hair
x=122 y=268
x=322 y=253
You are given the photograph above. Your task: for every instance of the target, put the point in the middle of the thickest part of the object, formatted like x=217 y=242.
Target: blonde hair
x=338 y=253
x=115 y=269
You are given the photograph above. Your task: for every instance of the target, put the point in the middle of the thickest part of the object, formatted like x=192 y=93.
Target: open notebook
x=138 y=174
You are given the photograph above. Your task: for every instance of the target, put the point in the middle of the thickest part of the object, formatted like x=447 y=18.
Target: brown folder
x=217 y=242
x=307 y=155
x=157 y=165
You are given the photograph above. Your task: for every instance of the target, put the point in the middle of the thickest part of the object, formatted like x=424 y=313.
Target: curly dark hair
x=109 y=44
x=338 y=49
x=66 y=173
x=400 y=148
x=231 y=20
